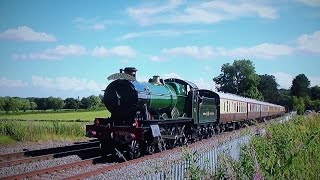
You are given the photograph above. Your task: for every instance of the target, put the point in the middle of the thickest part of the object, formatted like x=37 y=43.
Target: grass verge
x=39 y=131
x=63 y=116
x=289 y=150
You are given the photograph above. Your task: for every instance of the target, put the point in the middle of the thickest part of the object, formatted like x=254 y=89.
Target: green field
x=62 y=116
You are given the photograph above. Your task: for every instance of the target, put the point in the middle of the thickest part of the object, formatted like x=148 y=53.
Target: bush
x=290 y=150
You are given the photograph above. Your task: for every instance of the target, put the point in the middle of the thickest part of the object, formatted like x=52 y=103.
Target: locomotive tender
x=150 y=117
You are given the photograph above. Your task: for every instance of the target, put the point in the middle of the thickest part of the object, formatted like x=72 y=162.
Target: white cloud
x=203 y=12
x=313 y=3
x=67 y=84
x=196 y=52
x=160 y=33
x=265 y=50
x=170 y=75
x=96 y=23
x=11 y=83
x=314 y=81
x=142 y=14
x=158 y=58
x=283 y=79
x=309 y=43
x=119 y=51
x=203 y=84
x=25 y=33
x=57 y=53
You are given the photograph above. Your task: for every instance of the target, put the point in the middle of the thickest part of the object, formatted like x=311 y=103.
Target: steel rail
x=49 y=170
x=8 y=156
x=121 y=165
x=44 y=157
x=40 y=152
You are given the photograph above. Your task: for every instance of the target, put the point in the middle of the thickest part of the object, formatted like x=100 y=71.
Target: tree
x=284 y=98
x=55 y=103
x=90 y=102
x=308 y=103
x=12 y=104
x=300 y=86
x=25 y=104
x=268 y=88
x=101 y=100
x=95 y=101
x=316 y=105
x=298 y=104
x=71 y=103
x=33 y=105
x=42 y=103
x=315 y=92
x=2 y=103
x=239 y=78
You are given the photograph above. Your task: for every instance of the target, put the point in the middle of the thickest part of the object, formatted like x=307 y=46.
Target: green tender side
x=207 y=110
x=162 y=96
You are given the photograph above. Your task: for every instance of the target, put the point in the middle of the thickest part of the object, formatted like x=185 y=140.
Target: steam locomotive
x=148 y=117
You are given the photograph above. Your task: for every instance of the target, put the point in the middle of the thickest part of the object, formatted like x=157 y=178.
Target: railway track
x=87 y=151
x=23 y=159
x=96 y=166
x=136 y=161
x=49 y=151
x=49 y=170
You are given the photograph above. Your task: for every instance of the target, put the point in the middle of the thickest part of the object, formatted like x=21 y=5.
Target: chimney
x=131 y=71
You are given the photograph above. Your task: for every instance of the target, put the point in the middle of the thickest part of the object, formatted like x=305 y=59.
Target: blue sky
x=68 y=48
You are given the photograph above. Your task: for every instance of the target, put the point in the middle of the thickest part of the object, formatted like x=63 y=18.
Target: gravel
x=164 y=163
x=25 y=146
x=26 y=167
x=71 y=172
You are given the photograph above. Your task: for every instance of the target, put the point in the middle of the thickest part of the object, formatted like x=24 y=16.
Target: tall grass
x=38 y=131
x=289 y=150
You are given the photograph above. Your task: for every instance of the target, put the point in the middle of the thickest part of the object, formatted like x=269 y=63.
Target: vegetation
x=300 y=86
x=11 y=131
x=23 y=118
x=14 y=104
x=240 y=78
x=268 y=88
x=290 y=150
x=58 y=116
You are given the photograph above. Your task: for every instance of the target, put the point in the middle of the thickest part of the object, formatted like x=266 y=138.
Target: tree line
x=238 y=78
x=15 y=104
x=241 y=78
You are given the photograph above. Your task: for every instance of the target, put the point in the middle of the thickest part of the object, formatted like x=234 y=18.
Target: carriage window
x=227 y=106
x=237 y=107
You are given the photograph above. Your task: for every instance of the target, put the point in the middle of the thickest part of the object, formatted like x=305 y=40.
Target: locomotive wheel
x=151 y=149
x=107 y=150
x=161 y=145
x=134 y=150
